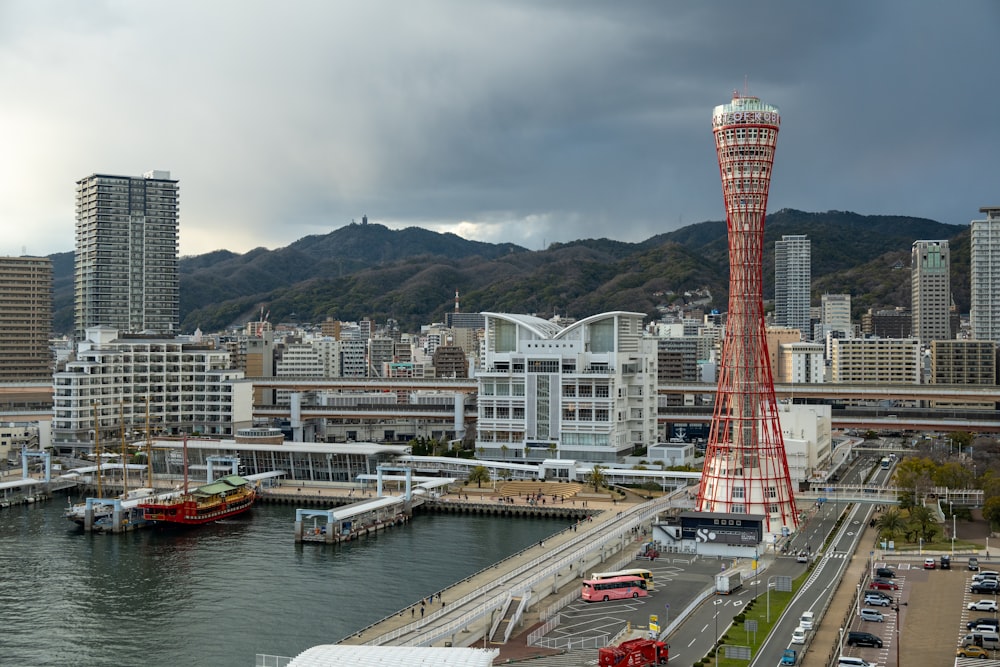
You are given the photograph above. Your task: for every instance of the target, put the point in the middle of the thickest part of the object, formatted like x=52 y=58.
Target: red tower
x=746 y=471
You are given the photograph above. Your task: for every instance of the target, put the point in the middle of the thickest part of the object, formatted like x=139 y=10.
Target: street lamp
x=859 y=599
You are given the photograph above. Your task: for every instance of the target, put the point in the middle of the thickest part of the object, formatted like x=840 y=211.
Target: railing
x=639 y=515
x=574 y=643
x=538 y=633
x=500 y=616
x=264 y=660
x=516 y=616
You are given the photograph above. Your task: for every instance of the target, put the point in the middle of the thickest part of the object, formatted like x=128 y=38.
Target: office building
x=984 y=314
x=586 y=391
x=746 y=470
x=792 y=282
x=895 y=323
x=25 y=319
x=125 y=265
x=930 y=290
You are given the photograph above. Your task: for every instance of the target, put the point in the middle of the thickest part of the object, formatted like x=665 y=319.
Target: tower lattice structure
x=746 y=470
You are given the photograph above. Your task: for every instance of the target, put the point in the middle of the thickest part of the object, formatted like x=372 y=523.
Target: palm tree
x=479 y=474
x=596 y=477
x=503 y=450
x=553 y=449
x=891 y=523
x=922 y=521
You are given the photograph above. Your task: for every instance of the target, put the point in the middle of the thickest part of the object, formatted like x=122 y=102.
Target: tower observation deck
x=746 y=470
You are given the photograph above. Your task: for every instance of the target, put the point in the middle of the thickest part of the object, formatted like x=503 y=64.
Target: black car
x=986 y=586
x=983 y=620
x=885 y=572
x=863 y=639
x=945 y=562
x=974 y=564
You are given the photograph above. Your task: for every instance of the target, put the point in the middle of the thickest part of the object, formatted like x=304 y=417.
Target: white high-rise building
x=930 y=290
x=985 y=267
x=584 y=392
x=124 y=383
x=125 y=265
x=792 y=275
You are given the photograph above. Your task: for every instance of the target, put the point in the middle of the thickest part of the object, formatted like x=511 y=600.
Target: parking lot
x=931 y=621
x=677 y=583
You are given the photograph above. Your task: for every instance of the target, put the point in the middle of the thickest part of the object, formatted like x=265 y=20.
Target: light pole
x=715 y=646
x=859 y=600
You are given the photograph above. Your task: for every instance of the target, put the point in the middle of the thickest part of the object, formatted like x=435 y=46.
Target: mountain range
x=411 y=275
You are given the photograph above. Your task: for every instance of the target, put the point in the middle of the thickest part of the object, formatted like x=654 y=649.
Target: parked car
x=929 y=564
x=885 y=572
x=877 y=600
x=974 y=564
x=871 y=615
x=972 y=652
x=852 y=661
x=982 y=620
x=945 y=562
x=985 y=586
x=983 y=605
x=863 y=639
x=884 y=585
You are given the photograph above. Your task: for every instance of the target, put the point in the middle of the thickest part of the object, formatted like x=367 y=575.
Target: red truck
x=634 y=653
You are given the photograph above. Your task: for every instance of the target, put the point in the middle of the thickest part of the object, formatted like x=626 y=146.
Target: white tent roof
x=335 y=655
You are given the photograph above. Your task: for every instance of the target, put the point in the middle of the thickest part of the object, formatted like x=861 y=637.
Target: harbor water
x=219 y=594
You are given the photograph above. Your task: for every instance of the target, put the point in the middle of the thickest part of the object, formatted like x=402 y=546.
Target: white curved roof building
x=586 y=391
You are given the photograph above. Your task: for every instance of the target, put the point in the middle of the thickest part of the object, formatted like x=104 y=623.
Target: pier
x=487 y=607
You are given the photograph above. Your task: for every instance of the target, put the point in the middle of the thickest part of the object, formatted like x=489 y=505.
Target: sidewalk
x=826 y=639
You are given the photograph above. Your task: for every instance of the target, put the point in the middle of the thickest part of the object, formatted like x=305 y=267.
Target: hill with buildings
x=411 y=275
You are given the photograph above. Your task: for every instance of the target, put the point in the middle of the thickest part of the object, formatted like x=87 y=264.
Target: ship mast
x=121 y=431
x=97 y=448
x=185 y=464
x=149 y=451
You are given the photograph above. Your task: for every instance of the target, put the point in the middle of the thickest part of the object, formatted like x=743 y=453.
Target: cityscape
x=721 y=455
x=651 y=404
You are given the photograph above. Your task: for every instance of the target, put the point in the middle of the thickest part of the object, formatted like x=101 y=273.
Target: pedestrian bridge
x=888 y=495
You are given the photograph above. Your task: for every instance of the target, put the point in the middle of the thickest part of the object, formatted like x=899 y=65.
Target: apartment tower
x=746 y=470
x=985 y=266
x=25 y=319
x=930 y=290
x=125 y=272
x=792 y=274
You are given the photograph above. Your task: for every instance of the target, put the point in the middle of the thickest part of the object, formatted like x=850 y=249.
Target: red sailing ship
x=223 y=498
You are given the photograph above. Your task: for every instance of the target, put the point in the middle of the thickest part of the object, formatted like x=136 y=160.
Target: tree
x=922 y=522
x=991 y=510
x=503 y=451
x=481 y=451
x=479 y=474
x=953 y=475
x=553 y=450
x=916 y=475
x=596 y=478
x=891 y=523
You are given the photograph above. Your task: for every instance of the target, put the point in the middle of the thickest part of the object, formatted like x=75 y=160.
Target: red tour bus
x=614 y=588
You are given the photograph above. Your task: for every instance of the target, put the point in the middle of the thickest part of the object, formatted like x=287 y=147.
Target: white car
x=983 y=605
x=871 y=615
x=799 y=635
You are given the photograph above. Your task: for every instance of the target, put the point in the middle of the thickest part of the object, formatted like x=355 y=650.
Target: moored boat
x=221 y=499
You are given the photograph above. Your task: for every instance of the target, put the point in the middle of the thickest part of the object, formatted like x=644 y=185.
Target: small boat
x=225 y=497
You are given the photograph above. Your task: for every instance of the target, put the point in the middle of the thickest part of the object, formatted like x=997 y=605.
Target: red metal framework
x=746 y=470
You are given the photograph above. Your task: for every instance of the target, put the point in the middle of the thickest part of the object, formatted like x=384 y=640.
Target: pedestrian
x=422 y=612
x=413 y=611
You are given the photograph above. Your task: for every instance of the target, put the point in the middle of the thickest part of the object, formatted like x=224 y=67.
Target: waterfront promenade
x=464 y=613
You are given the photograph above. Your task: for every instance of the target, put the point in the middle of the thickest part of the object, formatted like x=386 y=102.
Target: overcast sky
x=527 y=122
